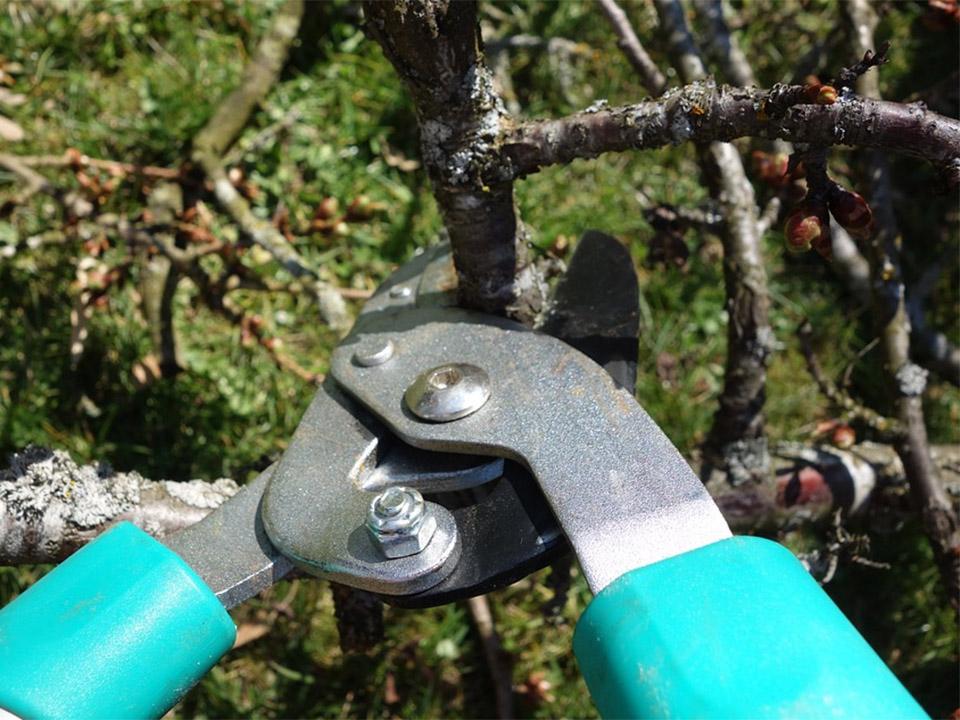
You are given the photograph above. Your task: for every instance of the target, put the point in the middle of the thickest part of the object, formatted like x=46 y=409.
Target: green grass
x=135 y=81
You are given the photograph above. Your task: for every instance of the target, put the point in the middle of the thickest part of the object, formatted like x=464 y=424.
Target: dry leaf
x=9 y=130
x=11 y=99
x=390 y=695
x=248 y=632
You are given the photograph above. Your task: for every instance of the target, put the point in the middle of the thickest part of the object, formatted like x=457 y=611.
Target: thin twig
x=34 y=182
x=210 y=144
x=73 y=159
x=497 y=659
x=629 y=43
x=889 y=427
x=722 y=45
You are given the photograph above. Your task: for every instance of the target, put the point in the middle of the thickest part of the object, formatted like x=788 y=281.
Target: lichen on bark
x=436 y=48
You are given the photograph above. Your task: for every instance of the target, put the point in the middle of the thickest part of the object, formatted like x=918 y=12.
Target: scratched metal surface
x=229 y=548
x=314 y=507
x=622 y=492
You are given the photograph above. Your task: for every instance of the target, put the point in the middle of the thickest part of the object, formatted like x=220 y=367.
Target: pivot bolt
x=400 y=291
x=448 y=392
x=400 y=522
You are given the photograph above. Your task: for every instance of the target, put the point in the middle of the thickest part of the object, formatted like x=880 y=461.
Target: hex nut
x=400 y=523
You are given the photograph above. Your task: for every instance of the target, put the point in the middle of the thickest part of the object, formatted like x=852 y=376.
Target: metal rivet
x=374 y=352
x=400 y=522
x=448 y=392
x=400 y=291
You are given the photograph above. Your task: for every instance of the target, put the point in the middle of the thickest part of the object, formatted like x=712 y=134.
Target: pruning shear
x=449 y=453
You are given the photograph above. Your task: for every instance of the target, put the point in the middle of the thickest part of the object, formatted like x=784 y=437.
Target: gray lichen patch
x=40 y=482
x=200 y=494
x=911 y=379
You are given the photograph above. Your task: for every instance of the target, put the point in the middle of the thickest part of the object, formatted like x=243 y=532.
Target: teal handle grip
x=121 y=629
x=736 y=629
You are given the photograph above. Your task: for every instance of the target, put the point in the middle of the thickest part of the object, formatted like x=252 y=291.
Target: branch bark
x=737 y=439
x=906 y=380
x=435 y=47
x=703 y=112
x=50 y=506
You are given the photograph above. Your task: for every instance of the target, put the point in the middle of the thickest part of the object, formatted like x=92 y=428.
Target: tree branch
x=221 y=130
x=888 y=427
x=737 y=439
x=703 y=112
x=72 y=158
x=906 y=380
x=50 y=506
x=498 y=660
x=435 y=48
x=631 y=46
x=723 y=47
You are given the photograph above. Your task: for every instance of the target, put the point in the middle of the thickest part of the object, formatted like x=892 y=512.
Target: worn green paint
x=736 y=629
x=121 y=629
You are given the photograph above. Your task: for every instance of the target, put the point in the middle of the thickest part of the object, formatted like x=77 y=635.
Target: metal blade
x=595 y=306
x=229 y=548
x=623 y=494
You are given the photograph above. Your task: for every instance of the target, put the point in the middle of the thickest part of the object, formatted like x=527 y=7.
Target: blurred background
x=331 y=160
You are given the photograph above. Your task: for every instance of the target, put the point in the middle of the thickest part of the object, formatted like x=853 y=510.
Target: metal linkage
x=606 y=468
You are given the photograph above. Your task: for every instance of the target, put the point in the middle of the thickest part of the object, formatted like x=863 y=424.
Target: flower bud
x=806 y=225
x=826 y=95
x=823 y=244
x=771 y=169
x=327 y=208
x=843 y=437
x=811 y=88
x=851 y=211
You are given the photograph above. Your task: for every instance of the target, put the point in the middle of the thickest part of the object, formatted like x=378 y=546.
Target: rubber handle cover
x=736 y=629
x=122 y=628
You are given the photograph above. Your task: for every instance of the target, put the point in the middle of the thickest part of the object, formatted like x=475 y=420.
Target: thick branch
x=50 y=506
x=702 y=112
x=435 y=48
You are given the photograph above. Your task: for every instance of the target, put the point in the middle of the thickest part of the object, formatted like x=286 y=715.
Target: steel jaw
x=620 y=490
x=623 y=494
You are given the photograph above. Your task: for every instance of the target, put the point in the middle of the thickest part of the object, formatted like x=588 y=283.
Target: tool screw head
x=374 y=351
x=400 y=522
x=448 y=392
x=400 y=291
